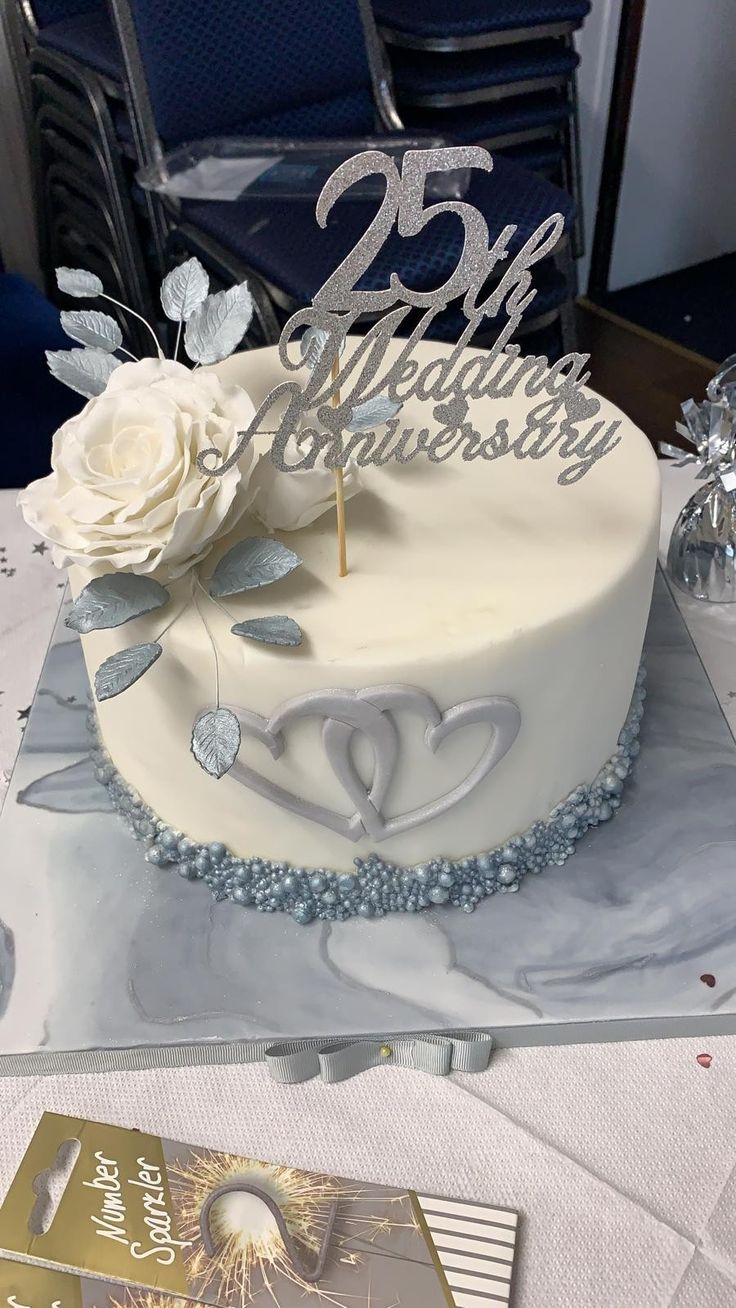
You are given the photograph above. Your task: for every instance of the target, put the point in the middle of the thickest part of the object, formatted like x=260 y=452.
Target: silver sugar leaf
x=78 y=282
x=85 y=371
x=111 y=600
x=90 y=327
x=276 y=630
x=183 y=290
x=312 y=345
x=257 y=561
x=122 y=670
x=372 y=413
x=218 y=324
x=216 y=741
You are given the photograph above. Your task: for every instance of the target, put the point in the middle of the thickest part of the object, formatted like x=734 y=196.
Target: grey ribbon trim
x=456 y=1051
x=332 y=1057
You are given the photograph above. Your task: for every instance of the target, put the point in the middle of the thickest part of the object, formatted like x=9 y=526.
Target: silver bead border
x=376 y=886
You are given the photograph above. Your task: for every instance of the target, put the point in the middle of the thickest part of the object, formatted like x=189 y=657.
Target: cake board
x=106 y=961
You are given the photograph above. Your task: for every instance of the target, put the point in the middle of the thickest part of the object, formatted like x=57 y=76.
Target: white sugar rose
x=126 y=491
x=287 y=501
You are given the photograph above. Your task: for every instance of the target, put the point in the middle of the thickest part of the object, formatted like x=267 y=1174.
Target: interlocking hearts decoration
x=372 y=712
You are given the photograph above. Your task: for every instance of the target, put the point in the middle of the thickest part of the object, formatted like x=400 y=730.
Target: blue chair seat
x=345 y=115
x=539 y=156
x=34 y=403
x=435 y=18
x=282 y=242
x=88 y=38
x=552 y=292
x=425 y=77
x=348 y=114
x=483 y=122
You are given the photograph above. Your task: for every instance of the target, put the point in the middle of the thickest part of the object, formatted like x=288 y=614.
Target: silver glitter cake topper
x=343 y=382
x=346 y=413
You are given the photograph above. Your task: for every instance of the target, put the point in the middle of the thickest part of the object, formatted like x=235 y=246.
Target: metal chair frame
x=478 y=41
x=75 y=98
x=102 y=264
x=112 y=89
x=59 y=114
x=93 y=233
x=63 y=180
x=63 y=79
x=91 y=91
x=486 y=94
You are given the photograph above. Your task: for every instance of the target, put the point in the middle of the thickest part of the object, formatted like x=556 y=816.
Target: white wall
x=596 y=43
x=678 y=196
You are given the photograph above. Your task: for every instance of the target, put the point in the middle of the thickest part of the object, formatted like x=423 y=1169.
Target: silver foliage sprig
x=213 y=325
x=249 y=565
x=118 y=598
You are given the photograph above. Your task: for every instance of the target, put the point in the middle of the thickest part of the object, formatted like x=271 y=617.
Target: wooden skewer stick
x=342 y=544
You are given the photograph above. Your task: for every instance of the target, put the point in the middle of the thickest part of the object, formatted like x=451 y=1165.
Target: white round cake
x=470 y=675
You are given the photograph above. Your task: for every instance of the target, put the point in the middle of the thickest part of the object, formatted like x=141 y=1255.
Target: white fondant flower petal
x=287 y=501
x=126 y=491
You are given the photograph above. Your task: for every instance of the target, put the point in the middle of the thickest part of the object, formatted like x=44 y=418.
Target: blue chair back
x=47 y=12
x=229 y=67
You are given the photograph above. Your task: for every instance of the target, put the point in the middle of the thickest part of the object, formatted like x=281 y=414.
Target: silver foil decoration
x=701 y=558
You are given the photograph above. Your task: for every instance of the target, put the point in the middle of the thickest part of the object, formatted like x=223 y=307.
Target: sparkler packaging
x=163 y=1222
x=25 y=1285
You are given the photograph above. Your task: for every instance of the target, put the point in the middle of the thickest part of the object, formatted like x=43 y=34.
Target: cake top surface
x=441 y=557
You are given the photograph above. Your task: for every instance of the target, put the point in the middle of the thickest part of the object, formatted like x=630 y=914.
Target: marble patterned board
x=106 y=961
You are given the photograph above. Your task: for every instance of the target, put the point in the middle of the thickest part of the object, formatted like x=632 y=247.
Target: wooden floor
x=645 y=375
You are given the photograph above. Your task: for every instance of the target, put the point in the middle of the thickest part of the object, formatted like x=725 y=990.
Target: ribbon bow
x=337 y=1060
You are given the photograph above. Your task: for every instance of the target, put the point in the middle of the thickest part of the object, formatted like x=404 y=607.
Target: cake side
x=493 y=583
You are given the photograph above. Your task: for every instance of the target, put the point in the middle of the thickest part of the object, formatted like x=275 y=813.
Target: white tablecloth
x=620 y=1157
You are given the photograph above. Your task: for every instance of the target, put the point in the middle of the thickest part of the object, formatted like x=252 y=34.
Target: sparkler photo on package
x=169 y=1221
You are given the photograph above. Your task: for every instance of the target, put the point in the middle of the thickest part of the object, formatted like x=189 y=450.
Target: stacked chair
x=501 y=74
x=83 y=168
x=113 y=90
x=197 y=71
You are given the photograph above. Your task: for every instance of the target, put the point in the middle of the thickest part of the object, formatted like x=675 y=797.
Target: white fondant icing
x=468 y=580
